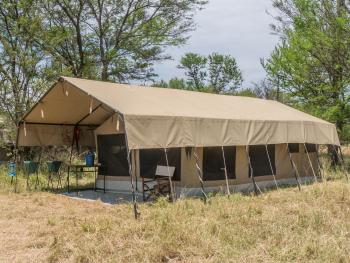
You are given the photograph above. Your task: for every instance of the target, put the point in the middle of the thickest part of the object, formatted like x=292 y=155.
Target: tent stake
x=295 y=170
x=251 y=171
x=225 y=168
x=200 y=175
x=312 y=167
x=172 y=196
x=273 y=174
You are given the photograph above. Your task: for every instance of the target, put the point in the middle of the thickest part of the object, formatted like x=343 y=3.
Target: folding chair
x=53 y=168
x=11 y=170
x=160 y=185
x=30 y=168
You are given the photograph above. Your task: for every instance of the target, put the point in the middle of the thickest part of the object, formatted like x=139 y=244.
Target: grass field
x=278 y=226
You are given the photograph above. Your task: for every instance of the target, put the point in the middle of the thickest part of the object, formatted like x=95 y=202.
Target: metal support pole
x=320 y=166
x=295 y=170
x=341 y=160
x=273 y=174
x=172 y=196
x=256 y=188
x=15 y=156
x=225 y=168
x=134 y=198
x=200 y=175
x=308 y=157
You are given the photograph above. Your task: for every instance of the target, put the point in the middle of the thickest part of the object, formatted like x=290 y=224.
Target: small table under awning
x=81 y=168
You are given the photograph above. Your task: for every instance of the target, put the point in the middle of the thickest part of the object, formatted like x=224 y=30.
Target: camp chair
x=53 y=168
x=30 y=168
x=11 y=170
x=160 y=185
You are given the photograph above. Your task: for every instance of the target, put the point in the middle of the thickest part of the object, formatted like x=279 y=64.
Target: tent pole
x=341 y=161
x=320 y=166
x=172 y=196
x=134 y=195
x=15 y=155
x=295 y=170
x=200 y=175
x=251 y=171
x=312 y=167
x=134 y=198
x=225 y=168
x=273 y=174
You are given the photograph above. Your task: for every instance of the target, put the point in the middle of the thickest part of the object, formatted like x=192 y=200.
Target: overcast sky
x=236 y=27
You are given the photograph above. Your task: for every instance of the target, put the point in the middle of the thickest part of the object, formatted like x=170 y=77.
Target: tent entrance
x=112 y=155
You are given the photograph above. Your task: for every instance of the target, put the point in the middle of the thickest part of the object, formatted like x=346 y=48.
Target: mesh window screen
x=213 y=163
x=260 y=161
x=311 y=148
x=112 y=155
x=293 y=147
x=150 y=158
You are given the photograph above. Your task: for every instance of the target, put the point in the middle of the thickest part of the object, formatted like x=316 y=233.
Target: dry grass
x=279 y=226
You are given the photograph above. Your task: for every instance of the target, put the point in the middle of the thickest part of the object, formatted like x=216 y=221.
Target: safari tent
x=213 y=141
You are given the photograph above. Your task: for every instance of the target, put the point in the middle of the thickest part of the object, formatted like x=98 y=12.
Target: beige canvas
x=164 y=118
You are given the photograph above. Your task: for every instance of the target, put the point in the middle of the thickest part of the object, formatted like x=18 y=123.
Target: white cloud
x=236 y=27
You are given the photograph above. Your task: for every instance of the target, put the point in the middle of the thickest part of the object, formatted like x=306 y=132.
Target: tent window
x=112 y=155
x=260 y=161
x=213 y=163
x=150 y=158
x=293 y=147
x=311 y=148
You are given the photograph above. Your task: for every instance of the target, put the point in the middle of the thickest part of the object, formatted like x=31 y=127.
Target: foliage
x=216 y=73
x=312 y=61
x=22 y=64
x=115 y=40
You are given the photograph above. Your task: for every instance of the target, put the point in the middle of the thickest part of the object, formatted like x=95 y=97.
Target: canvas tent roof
x=159 y=117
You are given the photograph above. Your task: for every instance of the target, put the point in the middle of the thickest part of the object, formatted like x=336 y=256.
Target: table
x=81 y=168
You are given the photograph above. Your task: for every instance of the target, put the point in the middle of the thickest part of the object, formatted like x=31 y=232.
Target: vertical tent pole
x=134 y=196
x=295 y=170
x=308 y=157
x=226 y=176
x=15 y=155
x=200 y=175
x=251 y=171
x=341 y=160
x=320 y=166
x=172 y=196
x=273 y=174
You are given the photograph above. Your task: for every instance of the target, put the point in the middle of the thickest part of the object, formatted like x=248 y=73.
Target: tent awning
x=160 y=118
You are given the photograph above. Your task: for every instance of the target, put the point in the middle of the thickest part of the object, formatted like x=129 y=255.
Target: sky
x=234 y=27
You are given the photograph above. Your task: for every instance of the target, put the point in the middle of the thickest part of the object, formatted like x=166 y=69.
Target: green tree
x=216 y=73
x=115 y=40
x=224 y=74
x=22 y=64
x=195 y=70
x=312 y=61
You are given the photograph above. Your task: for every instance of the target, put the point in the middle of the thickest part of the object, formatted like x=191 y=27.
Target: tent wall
x=189 y=177
x=41 y=135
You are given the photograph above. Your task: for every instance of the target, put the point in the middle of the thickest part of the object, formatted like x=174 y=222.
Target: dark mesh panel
x=213 y=163
x=260 y=161
x=112 y=155
x=293 y=147
x=311 y=148
x=150 y=158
